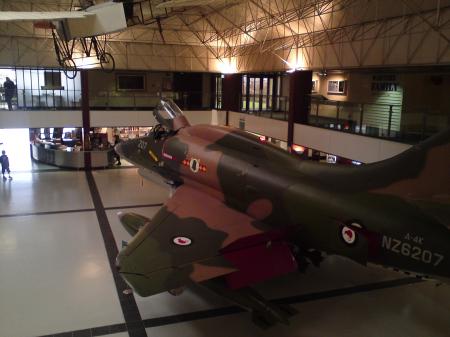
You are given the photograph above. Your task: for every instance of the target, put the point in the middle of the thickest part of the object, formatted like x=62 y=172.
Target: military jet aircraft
x=243 y=211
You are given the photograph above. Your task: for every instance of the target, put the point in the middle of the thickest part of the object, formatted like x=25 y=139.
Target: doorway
x=16 y=143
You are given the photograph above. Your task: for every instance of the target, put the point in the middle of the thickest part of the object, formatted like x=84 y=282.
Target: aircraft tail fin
x=420 y=173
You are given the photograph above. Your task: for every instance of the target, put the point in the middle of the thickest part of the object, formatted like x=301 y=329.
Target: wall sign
x=384 y=83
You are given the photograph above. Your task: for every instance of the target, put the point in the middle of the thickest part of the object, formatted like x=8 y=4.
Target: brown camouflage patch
x=432 y=183
x=192 y=203
x=203 y=272
x=260 y=209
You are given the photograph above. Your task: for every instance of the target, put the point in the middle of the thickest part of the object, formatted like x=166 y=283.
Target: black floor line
x=348 y=291
x=133 y=206
x=78 y=210
x=47 y=212
x=53 y=170
x=133 y=321
x=155 y=322
x=124 y=167
x=224 y=311
x=64 y=169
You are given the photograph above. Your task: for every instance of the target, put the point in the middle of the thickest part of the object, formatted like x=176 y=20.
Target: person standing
x=4 y=161
x=116 y=155
x=10 y=91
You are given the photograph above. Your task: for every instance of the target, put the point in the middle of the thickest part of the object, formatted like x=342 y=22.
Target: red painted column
x=300 y=86
x=86 y=118
x=232 y=92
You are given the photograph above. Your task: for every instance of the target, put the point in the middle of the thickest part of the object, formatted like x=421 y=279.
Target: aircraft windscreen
x=170 y=115
x=167 y=109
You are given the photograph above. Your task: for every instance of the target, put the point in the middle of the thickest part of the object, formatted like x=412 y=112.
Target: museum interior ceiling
x=252 y=35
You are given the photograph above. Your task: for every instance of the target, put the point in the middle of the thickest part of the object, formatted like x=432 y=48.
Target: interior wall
x=426 y=96
x=355 y=147
x=265 y=126
x=110 y=118
x=156 y=82
x=414 y=96
x=40 y=118
x=99 y=118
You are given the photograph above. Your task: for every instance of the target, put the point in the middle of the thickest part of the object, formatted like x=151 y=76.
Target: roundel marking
x=349 y=235
x=194 y=164
x=182 y=241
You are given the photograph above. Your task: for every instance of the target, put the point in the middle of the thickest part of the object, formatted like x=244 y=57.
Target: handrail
x=63 y=98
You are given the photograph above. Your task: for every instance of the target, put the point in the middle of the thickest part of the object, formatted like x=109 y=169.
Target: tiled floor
x=56 y=277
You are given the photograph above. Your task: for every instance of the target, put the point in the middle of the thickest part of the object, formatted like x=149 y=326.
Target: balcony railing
x=275 y=107
x=60 y=99
x=39 y=99
x=378 y=120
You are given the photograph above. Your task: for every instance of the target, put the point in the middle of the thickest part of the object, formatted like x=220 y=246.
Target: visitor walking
x=4 y=161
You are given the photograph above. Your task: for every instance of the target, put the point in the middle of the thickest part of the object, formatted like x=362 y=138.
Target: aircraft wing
x=104 y=18
x=43 y=16
x=195 y=237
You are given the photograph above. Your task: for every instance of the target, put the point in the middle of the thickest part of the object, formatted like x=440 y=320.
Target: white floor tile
x=125 y=187
x=404 y=311
x=54 y=275
x=44 y=192
x=120 y=334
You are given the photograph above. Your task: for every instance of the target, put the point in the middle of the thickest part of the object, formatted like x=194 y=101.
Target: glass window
x=265 y=88
x=135 y=82
x=218 y=92
x=269 y=94
x=257 y=93
x=251 y=91
x=52 y=79
x=45 y=88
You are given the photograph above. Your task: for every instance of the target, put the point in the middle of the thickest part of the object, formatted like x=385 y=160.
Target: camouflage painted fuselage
x=373 y=213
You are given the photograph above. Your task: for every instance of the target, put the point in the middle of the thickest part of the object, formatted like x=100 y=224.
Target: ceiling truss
x=266 y=35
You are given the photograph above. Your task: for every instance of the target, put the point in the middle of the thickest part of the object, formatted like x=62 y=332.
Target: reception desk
x=71 y=159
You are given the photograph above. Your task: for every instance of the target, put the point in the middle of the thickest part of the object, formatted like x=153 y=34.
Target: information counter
x=71 y=159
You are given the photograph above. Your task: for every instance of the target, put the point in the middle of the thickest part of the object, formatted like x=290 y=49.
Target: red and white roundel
x=349 y=235
x=194 y=164
x=182 y=241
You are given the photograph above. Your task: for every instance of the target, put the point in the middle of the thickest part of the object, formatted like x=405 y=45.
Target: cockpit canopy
x=170 y=115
